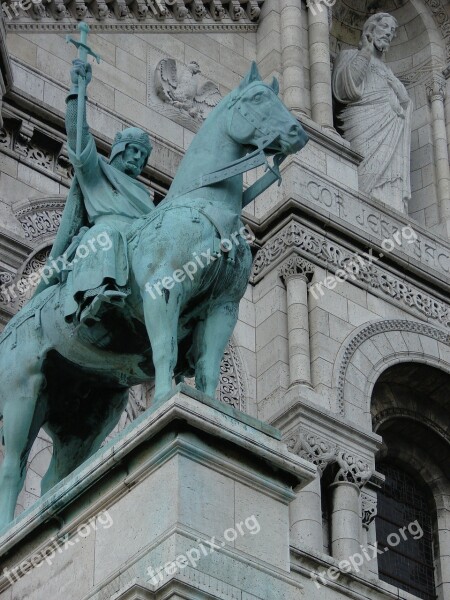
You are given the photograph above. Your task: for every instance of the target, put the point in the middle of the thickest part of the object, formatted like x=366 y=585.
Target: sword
x=83 y=52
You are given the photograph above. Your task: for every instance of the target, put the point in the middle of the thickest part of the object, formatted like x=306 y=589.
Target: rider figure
x=104 y=200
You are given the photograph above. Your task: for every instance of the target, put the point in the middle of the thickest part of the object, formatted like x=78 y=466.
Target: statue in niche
x=376 y=118
x=182 y=88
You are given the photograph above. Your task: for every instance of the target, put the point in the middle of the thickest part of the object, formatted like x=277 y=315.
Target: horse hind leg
x=23 y=416
x=161 y=320
x=72 y=448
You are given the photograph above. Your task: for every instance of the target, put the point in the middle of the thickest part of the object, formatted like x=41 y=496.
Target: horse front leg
x=211 y=338
x=161 y=320
x=23 y=416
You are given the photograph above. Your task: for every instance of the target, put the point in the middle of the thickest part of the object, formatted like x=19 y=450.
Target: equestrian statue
x=133 y=311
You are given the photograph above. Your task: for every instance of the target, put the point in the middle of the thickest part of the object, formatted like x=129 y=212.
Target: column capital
x=436 y=86
x=317 y=450
x=352 y=470
x=296 y=266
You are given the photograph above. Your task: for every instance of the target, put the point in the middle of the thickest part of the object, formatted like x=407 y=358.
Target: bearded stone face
x=383 y=34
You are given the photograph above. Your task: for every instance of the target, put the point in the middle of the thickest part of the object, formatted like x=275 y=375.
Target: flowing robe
x=377 y=122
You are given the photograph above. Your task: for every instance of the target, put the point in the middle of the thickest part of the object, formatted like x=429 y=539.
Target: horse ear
x=275 y=86
x=252 y=75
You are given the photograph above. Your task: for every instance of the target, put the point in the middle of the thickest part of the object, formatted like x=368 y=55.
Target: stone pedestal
x=191 y=500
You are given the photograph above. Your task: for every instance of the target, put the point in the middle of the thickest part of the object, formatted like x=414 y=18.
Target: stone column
x=305 y=511
x=436 y=89
x=346 y=526
x=291 y=56
x=295 y=273
x=320 y=66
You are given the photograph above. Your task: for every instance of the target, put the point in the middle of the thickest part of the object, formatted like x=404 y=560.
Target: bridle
x=247 y=162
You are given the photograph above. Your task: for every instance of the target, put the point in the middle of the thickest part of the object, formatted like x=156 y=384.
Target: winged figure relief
x=184 y=88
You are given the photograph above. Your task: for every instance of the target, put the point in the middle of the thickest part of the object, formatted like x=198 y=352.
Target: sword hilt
x=81 y=45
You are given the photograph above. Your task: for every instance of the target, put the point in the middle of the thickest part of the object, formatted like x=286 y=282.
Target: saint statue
x=377 y=113
x=104 y=200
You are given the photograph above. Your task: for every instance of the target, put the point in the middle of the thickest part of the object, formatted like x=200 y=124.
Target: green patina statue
x=157 y=302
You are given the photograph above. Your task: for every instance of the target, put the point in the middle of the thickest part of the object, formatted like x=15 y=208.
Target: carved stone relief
x=184 y=88
x=179 y=92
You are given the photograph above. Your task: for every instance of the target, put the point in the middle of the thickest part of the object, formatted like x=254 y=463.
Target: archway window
x=402 y=502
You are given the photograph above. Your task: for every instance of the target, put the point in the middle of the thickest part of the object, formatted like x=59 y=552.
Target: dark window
x=407 y=564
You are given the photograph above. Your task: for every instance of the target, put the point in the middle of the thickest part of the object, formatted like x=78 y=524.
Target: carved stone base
x=195 y=482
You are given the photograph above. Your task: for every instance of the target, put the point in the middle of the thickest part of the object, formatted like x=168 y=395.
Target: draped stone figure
x=376 y=118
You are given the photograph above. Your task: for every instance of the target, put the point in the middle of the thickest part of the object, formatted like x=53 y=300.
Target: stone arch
x=372 y=349
x=416 y=436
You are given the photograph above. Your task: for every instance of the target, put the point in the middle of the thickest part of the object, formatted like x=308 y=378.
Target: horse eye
x=258 y=97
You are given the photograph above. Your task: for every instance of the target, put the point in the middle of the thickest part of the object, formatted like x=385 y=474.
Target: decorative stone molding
x=231 y=385
x=137 y=15
x=368 y=510
x=352 y=469
x=333 y=257
x=40 y=217
x=313 y=449
x=43 y=151
x=436 y=86
x=295 y=266
x=379 y=328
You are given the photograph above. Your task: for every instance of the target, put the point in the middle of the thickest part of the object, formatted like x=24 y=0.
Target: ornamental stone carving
x=377 y=116
x=40 y=217
x=295 y=266
x=352 y=469
x=139 y=15
x=368 y=510
x=333 y=257
x=436 y=85
x=311 y=448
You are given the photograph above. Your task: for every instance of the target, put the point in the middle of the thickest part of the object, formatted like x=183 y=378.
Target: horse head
x=258 y=118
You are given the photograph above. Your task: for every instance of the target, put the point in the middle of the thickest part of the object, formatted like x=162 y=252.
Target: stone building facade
x=343 y=338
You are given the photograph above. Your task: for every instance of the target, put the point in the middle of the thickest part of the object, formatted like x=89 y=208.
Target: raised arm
x=85 y=70
x=350 y=71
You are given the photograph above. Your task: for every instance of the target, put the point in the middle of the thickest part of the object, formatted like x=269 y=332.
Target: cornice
x=138 y=16
x=380 y=280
